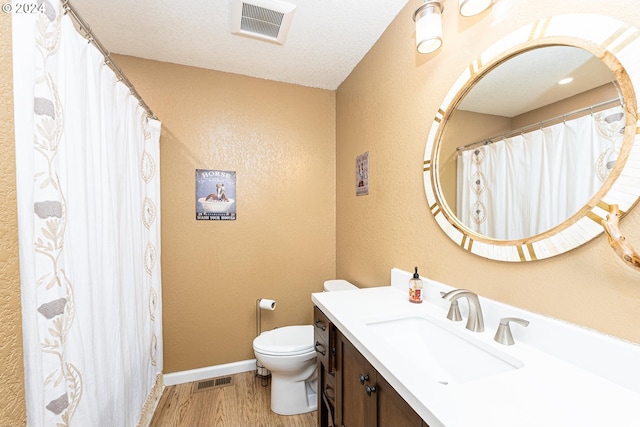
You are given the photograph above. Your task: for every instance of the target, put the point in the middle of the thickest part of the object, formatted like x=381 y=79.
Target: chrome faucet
x=475 y=322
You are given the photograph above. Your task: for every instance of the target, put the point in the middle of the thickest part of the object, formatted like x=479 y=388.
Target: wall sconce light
x=428 y=18
x=474 y=7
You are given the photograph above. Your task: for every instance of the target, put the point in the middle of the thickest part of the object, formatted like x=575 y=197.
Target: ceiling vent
x=267 y=20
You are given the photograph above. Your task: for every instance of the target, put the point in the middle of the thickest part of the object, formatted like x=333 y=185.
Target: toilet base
x=293 y=398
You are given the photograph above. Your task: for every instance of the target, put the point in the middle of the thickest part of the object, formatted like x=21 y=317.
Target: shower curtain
x=502 y=183
x=87 y=160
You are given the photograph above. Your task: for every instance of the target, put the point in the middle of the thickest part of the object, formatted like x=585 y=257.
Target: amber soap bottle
x=415 y=288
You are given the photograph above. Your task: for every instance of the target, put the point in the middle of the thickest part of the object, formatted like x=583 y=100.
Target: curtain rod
x=84 y=27
x=487 y=141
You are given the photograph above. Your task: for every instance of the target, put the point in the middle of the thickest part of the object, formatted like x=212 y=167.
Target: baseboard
x=209 y=372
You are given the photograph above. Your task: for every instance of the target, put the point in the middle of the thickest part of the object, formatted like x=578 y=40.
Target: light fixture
x=474 y=7
x=428 y=18
x=565 y=81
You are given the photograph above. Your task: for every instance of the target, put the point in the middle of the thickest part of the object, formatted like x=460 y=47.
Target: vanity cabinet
x=351 y=393
x=365 y=398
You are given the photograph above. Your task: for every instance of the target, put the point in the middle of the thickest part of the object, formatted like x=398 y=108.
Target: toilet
x=290 y=355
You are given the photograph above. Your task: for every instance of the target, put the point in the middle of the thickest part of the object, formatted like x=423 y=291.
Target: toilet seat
x=285 y=341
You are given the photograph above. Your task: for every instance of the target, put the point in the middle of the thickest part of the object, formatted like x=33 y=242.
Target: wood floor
x=244 y=403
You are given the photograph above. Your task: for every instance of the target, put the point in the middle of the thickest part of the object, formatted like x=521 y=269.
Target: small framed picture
x=362 y=174
x=215 y=195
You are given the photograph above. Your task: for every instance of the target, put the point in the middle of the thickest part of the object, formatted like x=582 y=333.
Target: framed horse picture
x=215 y=195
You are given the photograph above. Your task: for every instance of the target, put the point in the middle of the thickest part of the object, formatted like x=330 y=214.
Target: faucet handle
x=454 y=310
x=503 y=334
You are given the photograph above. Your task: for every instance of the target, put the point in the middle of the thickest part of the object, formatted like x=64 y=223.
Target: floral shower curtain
x=500 y=184
x=87 y=160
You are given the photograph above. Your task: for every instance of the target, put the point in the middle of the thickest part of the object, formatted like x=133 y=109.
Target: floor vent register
x=212 y=383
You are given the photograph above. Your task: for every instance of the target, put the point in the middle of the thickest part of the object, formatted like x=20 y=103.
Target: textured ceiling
x=530 y=80
x=326 y=40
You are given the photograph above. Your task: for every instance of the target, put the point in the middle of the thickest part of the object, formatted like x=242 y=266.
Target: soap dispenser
x=415 y=288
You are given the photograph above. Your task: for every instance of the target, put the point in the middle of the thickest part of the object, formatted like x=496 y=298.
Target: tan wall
x=280 y=140
x=386 y=107
x=575 y=103
x=12 y=399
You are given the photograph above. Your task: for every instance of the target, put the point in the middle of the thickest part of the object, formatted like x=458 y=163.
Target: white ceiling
x=326 y=40
x=530 y=80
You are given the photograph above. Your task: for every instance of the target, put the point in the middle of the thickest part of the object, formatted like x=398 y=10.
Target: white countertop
x=547 y=391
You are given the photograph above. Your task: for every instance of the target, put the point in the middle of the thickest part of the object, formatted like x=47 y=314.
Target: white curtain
x=87 y=160
x=527 y=184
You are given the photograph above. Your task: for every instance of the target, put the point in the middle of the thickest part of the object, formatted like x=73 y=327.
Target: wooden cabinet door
x=392 y=409
x=358 y=408
x=363 y=397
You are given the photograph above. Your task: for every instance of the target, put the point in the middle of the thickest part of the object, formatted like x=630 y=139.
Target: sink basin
x=447 y=355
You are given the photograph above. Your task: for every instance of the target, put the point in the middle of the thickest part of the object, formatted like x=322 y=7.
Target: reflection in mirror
x=617 y=46
x=522 y=153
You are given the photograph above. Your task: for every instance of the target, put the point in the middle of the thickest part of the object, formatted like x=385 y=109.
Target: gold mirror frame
x=617 y=44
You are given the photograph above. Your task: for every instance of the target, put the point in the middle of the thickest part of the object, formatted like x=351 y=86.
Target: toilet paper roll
x=267 y=304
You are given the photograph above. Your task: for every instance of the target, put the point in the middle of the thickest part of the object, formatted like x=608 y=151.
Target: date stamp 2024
x=23 y=8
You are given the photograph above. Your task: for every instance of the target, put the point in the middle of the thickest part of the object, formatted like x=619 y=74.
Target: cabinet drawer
x=322 y=326
x=323 y=352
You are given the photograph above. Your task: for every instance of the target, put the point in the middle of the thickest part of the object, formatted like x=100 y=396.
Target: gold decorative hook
x=617 y=241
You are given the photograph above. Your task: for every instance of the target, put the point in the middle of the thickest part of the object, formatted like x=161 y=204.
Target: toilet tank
x=338 y=285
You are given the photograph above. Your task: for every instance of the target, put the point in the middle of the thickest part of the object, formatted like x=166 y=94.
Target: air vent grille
x=260 y=20
x=212 y=383
x=267 y=20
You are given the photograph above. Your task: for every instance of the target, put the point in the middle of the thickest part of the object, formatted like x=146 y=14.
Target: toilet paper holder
x=262 y=304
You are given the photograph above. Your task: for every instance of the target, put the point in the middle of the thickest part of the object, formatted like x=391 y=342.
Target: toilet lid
x=338 y=285
x=288 y=340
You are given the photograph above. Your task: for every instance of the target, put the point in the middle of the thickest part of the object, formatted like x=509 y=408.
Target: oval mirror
x=510 y=141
